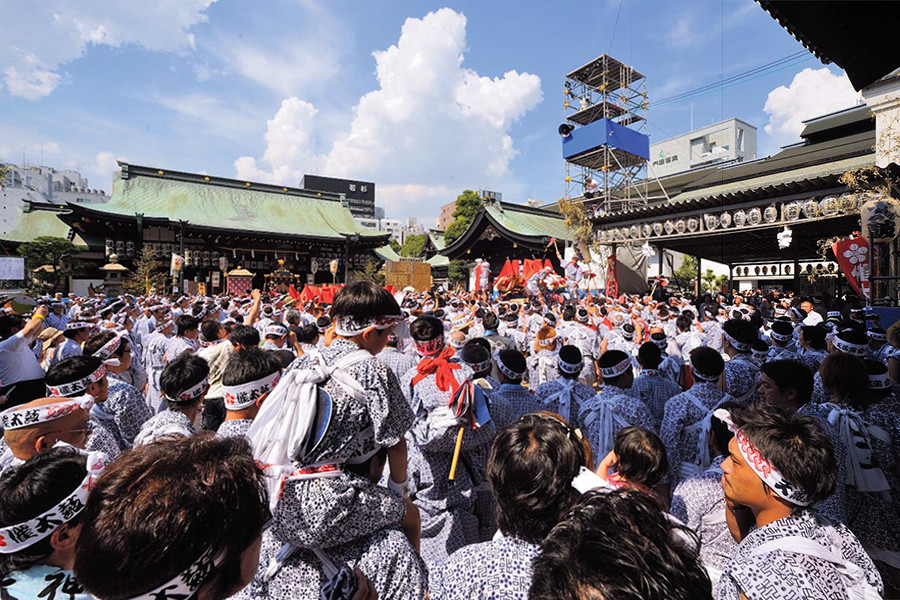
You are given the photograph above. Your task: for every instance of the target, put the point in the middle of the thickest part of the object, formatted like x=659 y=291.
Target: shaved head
x=26 y=442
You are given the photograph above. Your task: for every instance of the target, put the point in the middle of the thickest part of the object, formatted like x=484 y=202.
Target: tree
x=395 y=245
x=413 y=245
x=686 y=273
x=709 y=281
x=55 y=253
x=467 y=206
x=146 y=276
x=373 y=271
x=457 y=272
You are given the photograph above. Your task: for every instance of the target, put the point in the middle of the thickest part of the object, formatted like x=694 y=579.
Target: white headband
x=186 y=583
x=350 y=325
x=567 y=367
x=781 y=337
x=192 y=393
x=78 y=325
x=877 y=335
x=67 y=389
x=276 y=330
x=833 y=313
x=766 y=471
x=739 y=346
x=616 y=370
x=880 y=381
x=14 y=538
x=18 y=418
x=457 y=344
x=509 y=372
x=478 y=367
x=239 y=397
x=849 y=347
x=547 y=342
x=110 y=347
x=661 y=344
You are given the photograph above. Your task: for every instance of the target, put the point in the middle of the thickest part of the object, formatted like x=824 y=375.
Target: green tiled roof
x=438 y=260
x=35 y=223
x=528 y=221
x=222 y=204
x=387 y=253
x=437 y=239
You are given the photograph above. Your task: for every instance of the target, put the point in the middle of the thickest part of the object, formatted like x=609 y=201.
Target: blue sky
x=424 y=98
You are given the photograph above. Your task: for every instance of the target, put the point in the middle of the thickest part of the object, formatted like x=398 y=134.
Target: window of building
x=740 y=139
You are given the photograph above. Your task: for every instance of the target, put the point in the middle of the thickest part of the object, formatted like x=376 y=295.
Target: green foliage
x=578 y=222
x=374 y=271
x=395 y=245
x=713 y=283
x=467 y=206
x=413 y=245
x=457 y=272
x=146 y=277
x=55 y=252
x=686 y=274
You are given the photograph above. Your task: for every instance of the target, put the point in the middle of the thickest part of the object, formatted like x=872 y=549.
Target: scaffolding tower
x=605 y=141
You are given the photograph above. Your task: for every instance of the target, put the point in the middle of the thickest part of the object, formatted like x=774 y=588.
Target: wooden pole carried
x=456 y=450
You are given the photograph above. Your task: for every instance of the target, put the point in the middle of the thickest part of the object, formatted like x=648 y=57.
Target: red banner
x=612 y=284
x=853 y=257
x=293 y=293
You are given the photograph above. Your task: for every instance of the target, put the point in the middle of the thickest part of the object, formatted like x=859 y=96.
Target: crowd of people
x=449 y=445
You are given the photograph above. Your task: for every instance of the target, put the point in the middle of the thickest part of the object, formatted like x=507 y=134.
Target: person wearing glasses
x=35 y=427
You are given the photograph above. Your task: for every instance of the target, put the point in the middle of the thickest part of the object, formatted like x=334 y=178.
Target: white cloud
x=232 y=120
x=683 y=34
x=811 y=93
x=431 y=129
x=41 y=37
x=99 y=173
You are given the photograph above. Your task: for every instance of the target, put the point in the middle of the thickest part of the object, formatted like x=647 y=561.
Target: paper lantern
x=680 y=226
x=810 y=208
x=829 y=206
x=770 y=215
x=791 y=211
x=646 y=230
x=754 y=217
x=669 y=226
x=725 y=220
x=740 y=217
x=658 y=228
x=880 y=218
x=692 y=224
x=711 y=221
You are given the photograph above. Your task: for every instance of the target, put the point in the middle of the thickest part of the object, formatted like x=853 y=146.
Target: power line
x=743 y=77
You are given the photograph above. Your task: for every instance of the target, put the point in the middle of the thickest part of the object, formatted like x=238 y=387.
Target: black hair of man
x=98 y=340
x=618 y=544
x=363 y=300
x=245 y=336
x=183 y=373
x=249 y=364
x=186 y=323
x=515 y=362
x=209 y=329
x=30 y=489
x=641 y=456
x=426 y=328
x=72 y=369
x=308 y=334
x=490 y=321
x=794 y=443
x=649 y=355
x=572 y=355
x=790 y=374
x=531 y=467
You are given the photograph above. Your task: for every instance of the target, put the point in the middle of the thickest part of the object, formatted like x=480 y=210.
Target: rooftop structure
x=605 y=144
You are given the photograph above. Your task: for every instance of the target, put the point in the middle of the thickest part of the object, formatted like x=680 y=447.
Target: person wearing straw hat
x=51 y=338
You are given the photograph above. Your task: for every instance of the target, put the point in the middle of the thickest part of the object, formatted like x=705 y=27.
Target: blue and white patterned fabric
x=654 y=390
x=782 y=574
x=495 y=570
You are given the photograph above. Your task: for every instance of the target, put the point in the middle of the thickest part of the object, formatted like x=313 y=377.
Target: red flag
x=391 y=289
x=293 y=293
x=853 y=257
x=532 y=266
x=507 y=270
